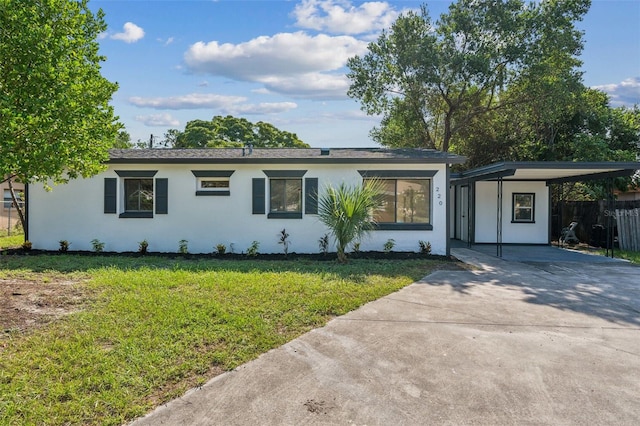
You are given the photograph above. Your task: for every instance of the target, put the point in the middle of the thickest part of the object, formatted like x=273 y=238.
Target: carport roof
x=548 y=171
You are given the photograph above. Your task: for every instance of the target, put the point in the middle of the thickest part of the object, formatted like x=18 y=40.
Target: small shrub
x=221 y=248
x=356 y=247
x=98 y=246
x=183 y=246
x=26 y=246
x=64 y=246
x=143 y=246
x=284 y=240
x=425 y=247
x=323 y=243
x=389 y=245
x=253 y=249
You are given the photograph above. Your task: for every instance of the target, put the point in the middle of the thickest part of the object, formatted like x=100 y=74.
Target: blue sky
x=283 y=62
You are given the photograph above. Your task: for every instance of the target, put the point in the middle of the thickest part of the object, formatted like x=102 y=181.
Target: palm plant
x=347 y=210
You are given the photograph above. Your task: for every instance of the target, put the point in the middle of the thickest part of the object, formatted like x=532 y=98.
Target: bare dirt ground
x=28 y=304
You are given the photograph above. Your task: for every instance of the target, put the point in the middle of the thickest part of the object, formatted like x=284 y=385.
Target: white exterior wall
x=486 y=205
x=74 y=212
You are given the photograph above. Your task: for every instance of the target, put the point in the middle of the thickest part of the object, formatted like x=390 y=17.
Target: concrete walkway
x=501 y=343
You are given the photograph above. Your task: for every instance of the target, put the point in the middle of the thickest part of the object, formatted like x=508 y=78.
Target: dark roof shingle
x=284 y=155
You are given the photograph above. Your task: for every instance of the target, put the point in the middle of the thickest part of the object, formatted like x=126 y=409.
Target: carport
x=510 y=202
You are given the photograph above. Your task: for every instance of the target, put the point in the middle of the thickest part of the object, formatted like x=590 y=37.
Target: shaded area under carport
x=537 y=253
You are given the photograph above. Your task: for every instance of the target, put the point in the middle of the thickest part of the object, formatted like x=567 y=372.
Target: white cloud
x=131 y=33
x=279 y=60
x=261 y=108
x=158 y=120
x=626 y=93
x=342 y=17
x=190 y=101
x=309 y=85
x=284 y=53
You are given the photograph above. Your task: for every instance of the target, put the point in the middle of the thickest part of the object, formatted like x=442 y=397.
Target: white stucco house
x=235 y=196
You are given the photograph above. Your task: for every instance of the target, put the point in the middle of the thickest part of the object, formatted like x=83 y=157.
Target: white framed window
x=523 y=207
x=213 y=182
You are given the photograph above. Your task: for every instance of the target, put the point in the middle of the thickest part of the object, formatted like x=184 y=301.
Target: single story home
x=235 y=196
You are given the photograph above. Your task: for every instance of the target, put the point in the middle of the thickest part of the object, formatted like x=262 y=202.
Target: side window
x=285 y=199
x=406 y=198
x=136 y=194
x=404 y=201
x=213 y=182
x=523 y=205
x=285 y=195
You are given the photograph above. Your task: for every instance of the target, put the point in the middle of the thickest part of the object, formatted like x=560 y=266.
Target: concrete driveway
x=505 y=343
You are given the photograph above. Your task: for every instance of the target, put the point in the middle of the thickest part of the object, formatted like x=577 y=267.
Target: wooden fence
x=628 y=229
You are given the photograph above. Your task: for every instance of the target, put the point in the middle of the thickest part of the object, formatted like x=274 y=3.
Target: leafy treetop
x=55 y=119
x=231 y=131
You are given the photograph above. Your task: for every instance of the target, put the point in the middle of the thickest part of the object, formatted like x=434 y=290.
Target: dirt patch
x=28 y=304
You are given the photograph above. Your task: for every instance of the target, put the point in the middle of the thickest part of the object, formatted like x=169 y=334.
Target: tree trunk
x=447 y=133
x=19 y=208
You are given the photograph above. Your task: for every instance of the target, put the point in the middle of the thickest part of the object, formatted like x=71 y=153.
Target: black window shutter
x=162 y=196
x=311 y=195
x=110 y=195
x=258 y=196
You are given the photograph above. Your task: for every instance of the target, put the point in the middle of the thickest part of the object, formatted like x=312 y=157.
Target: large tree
x=432 y=81
x=232 y=131
x=55 y=119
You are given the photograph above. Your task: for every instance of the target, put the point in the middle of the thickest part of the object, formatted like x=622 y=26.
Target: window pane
x=277 y=193
x=523 y=200
x=213 y=184
x=523 y=214
x=386 y=212
x=293 y=195
x=138 y=194
x=285 y=195
x=413 y=201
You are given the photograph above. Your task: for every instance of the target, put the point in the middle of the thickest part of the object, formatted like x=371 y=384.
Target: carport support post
x=499 y=220
x=610 y=221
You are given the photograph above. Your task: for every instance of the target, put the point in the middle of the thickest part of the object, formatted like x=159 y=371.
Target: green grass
x=15 y=240
x=154 y=327
x=632 y=256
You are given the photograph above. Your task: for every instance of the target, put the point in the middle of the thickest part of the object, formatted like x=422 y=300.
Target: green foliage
x=346 y=211
x=11 y=241
x=150 y=328
x=253 y=248
x=283 y=238
x=183 y=247
x=221 y=248
x=64 y=246
x=431 y=80
x=230 y=131
x=143 y=247
x=323 y=244
x=55 y=119
x=98 y=246
x=123 y=140
x=389 y=245
x=356 y=247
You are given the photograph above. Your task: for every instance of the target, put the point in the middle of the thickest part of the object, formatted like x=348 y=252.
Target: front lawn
x=149 y=328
